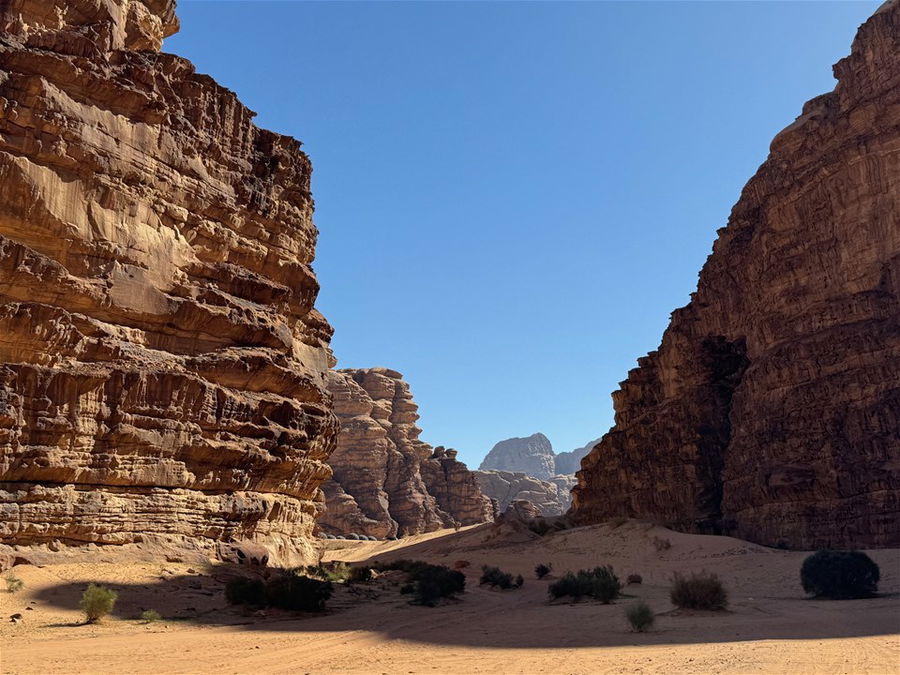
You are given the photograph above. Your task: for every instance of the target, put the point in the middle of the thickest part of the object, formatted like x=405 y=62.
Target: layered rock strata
x=550 y=497
x=387 y=482
x=161 y=362
x=771 y=410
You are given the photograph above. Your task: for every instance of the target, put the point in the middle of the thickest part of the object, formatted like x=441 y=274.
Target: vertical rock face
x=532 y=455
x=386 y=481
x=161 y=363
x=771 y=410
x=569 y=462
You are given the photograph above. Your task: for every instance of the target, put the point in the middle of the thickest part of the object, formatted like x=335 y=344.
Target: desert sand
x=770 y=625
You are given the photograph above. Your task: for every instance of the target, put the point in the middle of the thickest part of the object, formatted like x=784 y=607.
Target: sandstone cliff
x=771 y=410
x=550 y=497
x=161 y=363
x=532 y=455
x=386 y=481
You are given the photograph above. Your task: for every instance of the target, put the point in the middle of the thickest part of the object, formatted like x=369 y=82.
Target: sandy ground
x=770 y=626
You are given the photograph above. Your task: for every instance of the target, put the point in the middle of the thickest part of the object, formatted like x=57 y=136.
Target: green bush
x=495 y=577
x=840 y=575
x=600 y=583
x=702 y=590
x=97 y=602
x=150 y=615
x=246 y=591
x=360 y=575
x=13 y=583
x=430 y=582
x=290 y=590
x=640 y=616
x=541 y=570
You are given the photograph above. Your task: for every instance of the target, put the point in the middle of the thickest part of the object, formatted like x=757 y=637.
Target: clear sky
x=513 y=196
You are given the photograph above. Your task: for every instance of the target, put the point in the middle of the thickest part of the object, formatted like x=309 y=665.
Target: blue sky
x=513 y=196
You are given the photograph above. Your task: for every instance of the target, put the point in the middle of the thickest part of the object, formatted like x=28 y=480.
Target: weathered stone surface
x=161 y=363
x=570 y=462
x=771 y=410
x=550 y=497
x=532 y=455
x=386 y=481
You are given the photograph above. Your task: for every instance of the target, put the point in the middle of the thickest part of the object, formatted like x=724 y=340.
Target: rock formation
x=386 y=481
x=161 y=363
x=771 y=410
x=532 y=455
x=567 y=463
x=550 y=497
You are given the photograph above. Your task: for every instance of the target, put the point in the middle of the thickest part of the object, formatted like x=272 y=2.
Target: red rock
x=771 y=410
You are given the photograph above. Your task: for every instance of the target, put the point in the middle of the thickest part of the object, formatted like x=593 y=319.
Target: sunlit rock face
x=550 y=497
x=162 y=367
x=387 y=482
x=532 y=455
x=771 y=410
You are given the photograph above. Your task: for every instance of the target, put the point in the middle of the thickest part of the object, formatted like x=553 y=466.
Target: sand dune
x=770 y=625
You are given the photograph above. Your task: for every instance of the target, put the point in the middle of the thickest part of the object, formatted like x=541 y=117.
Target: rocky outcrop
x=567 y=463
x=550 y=497
x=386 y=481
x=532 y=455
x=771 y=410
x=161 y=363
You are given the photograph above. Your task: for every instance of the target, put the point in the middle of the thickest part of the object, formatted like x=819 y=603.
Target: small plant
x=246 y=591
x=495 y=577
x=634 y=579
x=519 y=582
x=150 y=615
x=702 y=590
x=406 y=589
x=290 y=590
x=429 y=582
x=356 y=575
x=541 y=570
x=661 y=544
x=640 y=616
x=13 y=583
x=840 y=575
x=97 y=602
x=600 y=583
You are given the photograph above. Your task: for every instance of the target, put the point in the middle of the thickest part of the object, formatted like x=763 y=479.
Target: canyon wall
x=532 y=455
x=771 y=410
x=550 y=497
x=387 y=482
x=162 y=367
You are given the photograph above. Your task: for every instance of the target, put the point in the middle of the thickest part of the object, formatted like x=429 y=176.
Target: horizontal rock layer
x=771 y=410
x=161 y=362
x=386 y=481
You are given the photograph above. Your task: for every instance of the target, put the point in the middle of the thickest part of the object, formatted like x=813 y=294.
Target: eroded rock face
x=532 y=455
x=386 y=481
x=161 y=363
x=771 y=410
x=567 y=463
x=550 y=497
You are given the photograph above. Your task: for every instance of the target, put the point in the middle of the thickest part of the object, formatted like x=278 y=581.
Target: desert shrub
x=541 y=570
x=661 y=544
x=495 y=577
x=600 y=583
x=702 y=590
x=290 y=590
x=640 y=616
x=430 y=582
x=362 y=574
x=13 y=583
x=519 y=581
x=635 y=579
x=840 y=575
x=406 y=589
x=150 y=615
x=246 y=591
x=97 y=602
